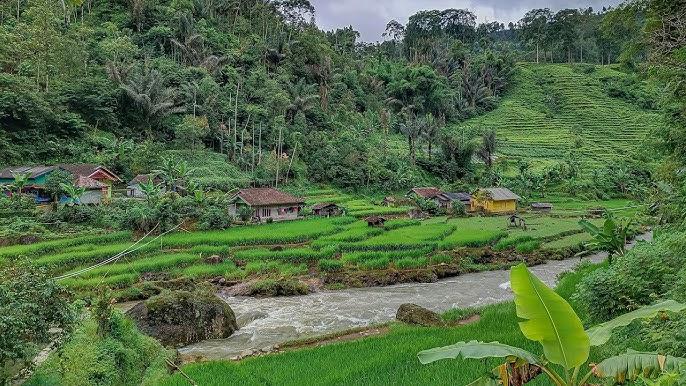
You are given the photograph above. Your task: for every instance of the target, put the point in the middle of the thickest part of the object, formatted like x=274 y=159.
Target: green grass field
x=555 y=109
x=302 y=247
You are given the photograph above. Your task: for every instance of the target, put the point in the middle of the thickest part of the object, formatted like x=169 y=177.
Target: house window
x=266 y=212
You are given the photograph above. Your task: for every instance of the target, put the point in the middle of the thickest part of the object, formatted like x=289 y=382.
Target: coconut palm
x=147 y=91
x=303 y=97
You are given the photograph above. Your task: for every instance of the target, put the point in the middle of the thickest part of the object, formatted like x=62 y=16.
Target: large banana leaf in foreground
x=476 y=350
x=630 y=365
x=601 y=333
x=549 y=320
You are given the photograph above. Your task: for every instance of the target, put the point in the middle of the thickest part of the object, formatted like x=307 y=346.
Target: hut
x=134 y=189
x=326 y=209
x=267 y=204
x=494 y=200
x=375 y=221
x=542 y=207
x=449 y=198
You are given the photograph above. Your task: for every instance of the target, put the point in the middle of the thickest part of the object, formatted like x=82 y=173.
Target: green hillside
x=553 y=109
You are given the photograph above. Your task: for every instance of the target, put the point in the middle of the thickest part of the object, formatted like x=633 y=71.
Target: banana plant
x=548 y=319
x=612 y=237
x=73 y=193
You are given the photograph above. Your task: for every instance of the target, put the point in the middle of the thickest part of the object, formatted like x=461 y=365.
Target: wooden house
x=326 y=209
x=266 y=203
x=375 y=221
x=494 y=201
x=449 y=198
x=96 y=179
x=96 y=172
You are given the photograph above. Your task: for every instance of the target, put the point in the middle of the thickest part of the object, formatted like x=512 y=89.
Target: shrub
x=330 y=265
x=411 y=263
x=635 y=279
x=214 y=218
x=282 y=287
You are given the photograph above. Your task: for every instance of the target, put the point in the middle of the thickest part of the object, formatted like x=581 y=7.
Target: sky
x=369 y=17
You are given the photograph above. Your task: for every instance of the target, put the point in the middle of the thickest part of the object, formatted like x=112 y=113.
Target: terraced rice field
x=557 y=109
x=289 y=249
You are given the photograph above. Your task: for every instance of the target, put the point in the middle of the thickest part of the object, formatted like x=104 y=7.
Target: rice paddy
x=312 y=246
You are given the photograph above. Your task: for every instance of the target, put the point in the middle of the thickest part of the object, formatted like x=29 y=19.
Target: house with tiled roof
x=441 y=198
x=266 y=203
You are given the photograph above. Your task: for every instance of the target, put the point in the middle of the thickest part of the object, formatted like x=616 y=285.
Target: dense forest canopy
x=121 y=82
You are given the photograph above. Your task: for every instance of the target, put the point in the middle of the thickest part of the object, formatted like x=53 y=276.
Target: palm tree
x=488 y=147
x=303 y=96
x=411 y=128
x=147 y=91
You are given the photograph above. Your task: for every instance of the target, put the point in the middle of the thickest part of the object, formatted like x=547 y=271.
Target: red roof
x=88 y=170
x=266 y=196
x=427 y=192
x=88 y=183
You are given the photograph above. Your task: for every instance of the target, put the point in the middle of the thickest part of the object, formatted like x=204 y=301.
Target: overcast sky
x=370 y=16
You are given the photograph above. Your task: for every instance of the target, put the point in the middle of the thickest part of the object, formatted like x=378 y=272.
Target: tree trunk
x=536 y=52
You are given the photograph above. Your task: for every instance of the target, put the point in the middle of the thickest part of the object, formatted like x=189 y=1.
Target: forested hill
x=593 y=114
x=256 y=87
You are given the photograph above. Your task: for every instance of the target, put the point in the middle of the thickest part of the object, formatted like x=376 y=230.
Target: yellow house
x=494 y=200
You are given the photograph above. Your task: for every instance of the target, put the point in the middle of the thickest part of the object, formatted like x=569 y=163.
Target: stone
x=179 y=318
x=413 y=314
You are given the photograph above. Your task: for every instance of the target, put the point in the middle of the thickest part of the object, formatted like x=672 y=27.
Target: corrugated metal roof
x=34 y=171
x=501 y=194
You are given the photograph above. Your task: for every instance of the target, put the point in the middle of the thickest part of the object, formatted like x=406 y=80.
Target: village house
x=133 y=188
x=544 y=207
x=95 y=179
x=442 y=199
x=266 y=203
x=494 y=201
x=326 y=209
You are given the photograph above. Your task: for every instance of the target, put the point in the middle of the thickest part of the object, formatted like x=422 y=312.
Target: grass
x=555 y=110
x=411 y=236
x=384 y=360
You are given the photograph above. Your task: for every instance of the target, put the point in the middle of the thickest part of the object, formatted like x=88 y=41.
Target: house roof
x=428 y=192
x=144 y=178
x=88 y=183
x=266 y=196
x=501 y=194
x=88 y=170
x=34 y=171
x=460 y=196
x=542 y=205
x=323 y=205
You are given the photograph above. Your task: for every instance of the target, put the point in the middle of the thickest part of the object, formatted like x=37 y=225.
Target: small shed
x=326 y=209
x=494 y=200
x=451 y=197
x=542 y=207
x=375 y=221
x=133 y=188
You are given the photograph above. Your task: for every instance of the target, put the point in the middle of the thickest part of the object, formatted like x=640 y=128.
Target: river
x=265 y=322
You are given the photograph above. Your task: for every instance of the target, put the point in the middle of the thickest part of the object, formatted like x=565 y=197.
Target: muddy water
x=269 y=321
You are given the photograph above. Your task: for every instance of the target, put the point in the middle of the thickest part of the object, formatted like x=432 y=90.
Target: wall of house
x=278 y=213
x=490 y=206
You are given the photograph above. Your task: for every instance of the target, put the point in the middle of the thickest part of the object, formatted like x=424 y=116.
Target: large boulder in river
x=178 y=318
x=413 y=314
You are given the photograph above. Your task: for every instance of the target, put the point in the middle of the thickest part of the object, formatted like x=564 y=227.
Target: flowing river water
x=265 y=322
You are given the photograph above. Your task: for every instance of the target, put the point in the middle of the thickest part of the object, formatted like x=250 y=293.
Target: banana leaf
x=601 y=333
x=549 y=320
x=632 y=364
x=476 y=350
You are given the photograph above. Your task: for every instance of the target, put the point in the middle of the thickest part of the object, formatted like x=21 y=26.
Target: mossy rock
x=413 y=314
x=179 y=318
